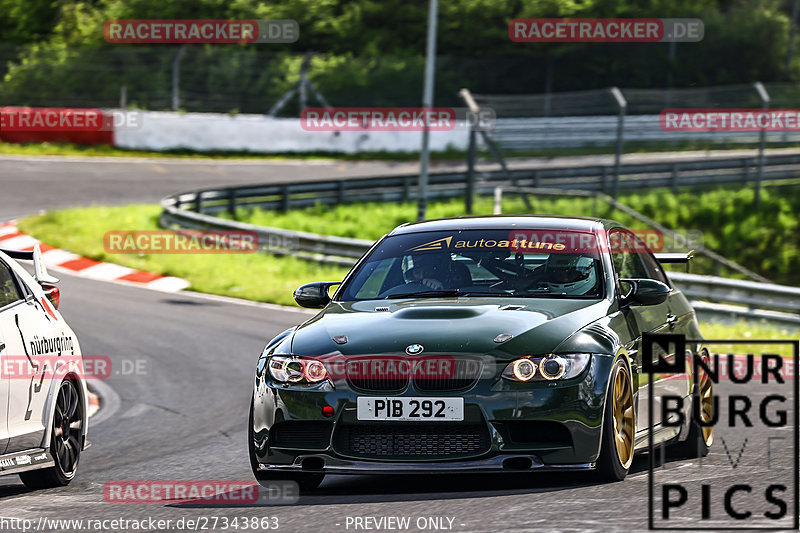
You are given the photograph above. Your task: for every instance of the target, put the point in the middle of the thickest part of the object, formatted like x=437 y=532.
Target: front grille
x=376 y=384
x=410 y=440
x=370 y=373
x=466 y=373
x=301 y=434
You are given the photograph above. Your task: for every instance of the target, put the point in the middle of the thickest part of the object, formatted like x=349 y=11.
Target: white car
x=43 y=411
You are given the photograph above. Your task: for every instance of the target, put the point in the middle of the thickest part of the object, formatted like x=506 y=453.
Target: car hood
x=446 y=326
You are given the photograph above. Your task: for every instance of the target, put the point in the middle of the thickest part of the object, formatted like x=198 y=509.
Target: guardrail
x=752 y=300
x=666 y=232
x=684 y=173
x=310 y=246
x=196 y=210
x=747 y=293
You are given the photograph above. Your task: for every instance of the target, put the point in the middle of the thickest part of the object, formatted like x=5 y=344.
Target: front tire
x=66 y=438
x=619 y=426
x=306 y=481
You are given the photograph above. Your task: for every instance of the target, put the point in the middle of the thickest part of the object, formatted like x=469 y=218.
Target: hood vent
x=381 y=308
x=512 y=307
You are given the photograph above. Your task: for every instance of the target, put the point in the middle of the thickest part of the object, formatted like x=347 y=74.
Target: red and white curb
x=12 y=238
x=94 y=404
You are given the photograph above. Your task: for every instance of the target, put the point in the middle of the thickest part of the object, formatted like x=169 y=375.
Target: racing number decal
x=34 y=387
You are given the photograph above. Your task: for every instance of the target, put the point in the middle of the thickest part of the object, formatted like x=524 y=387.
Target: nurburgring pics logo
x=730 y=120
x=742 y=405
x=605 y=30
x=185 y=31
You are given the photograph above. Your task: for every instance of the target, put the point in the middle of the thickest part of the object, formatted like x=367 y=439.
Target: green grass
x=749 y=330
x=256 y=277
x=763 y=239
x=253 y=276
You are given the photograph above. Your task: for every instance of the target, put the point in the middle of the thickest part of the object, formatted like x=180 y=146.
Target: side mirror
x=645 y=291
x=52 y=293
x=314 y=295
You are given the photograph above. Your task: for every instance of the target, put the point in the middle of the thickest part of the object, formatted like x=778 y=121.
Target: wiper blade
x=445 y=292
x=423 y=294
x=486 y=293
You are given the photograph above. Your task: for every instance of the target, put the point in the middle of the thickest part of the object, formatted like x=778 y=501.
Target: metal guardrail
x=747 y=293
x=196 y=210
x=498 y=202
x=286 y=196
x=326 y=249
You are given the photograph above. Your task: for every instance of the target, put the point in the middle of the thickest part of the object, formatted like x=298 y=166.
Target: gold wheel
x=622 y=412
x=706 y=399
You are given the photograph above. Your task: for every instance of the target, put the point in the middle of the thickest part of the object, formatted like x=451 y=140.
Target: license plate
x=410 y=409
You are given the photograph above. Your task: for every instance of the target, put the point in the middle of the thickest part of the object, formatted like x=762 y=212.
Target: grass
x=258 y=277
x=749 y=330
x=251 y=276
x=762 y=239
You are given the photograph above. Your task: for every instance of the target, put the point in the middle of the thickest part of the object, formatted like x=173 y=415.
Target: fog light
x=524 y=369
x=327 y=411
x=553 y=367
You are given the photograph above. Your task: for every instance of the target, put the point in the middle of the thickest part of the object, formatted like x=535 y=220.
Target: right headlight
x=548 y=367
x=293 y=369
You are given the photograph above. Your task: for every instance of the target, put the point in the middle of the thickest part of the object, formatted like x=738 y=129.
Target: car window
x=480 y=262
x=631 y=257
x=627 y=259
x=9 y=293
x=654 y=270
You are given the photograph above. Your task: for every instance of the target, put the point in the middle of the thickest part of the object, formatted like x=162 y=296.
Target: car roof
x=541 y=222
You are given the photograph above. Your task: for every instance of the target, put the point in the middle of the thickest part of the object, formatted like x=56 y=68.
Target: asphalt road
x=184 y=415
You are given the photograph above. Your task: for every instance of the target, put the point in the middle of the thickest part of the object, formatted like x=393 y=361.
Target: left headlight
x=548 y=367
x=293 y=369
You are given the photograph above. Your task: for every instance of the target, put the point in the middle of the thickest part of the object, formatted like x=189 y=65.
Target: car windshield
x=503 y=263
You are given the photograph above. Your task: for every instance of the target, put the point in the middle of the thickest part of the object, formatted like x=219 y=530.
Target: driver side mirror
x=314 y=295
x=645 y=292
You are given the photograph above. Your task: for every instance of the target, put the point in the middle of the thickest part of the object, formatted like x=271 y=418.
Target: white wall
x=259 y=133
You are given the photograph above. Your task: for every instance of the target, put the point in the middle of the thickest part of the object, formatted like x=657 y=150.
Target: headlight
x=294 y=369
x=548 y=367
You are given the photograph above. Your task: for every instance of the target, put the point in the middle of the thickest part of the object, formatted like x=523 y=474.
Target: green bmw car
x=478 y=344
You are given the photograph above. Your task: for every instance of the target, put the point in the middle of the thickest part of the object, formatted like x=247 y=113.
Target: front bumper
x=525 y=427
x=500 y=463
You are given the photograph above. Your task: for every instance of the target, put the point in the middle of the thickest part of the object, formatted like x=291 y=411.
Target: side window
x=9 y=293
x=654 y=270
x=627 y=262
